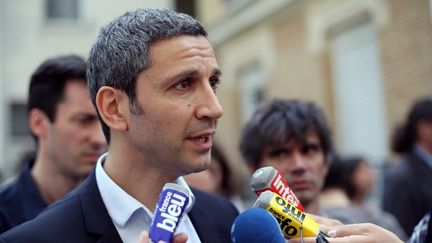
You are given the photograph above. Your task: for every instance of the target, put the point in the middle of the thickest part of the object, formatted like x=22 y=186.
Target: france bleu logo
x=170 y=208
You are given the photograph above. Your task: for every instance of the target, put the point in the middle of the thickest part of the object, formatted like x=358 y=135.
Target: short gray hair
x=121 y=50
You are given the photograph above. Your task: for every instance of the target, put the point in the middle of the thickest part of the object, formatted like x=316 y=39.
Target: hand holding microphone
x=274 y=191
x=178 y=238
x=169 y=210
x=280 y=201
x=356 y=233
x=293 y=222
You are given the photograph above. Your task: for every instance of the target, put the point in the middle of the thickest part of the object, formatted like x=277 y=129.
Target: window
x=18 y=121
x=358 y=92
x=186 y=6
x=237 y=5
x=252 y=89
x=430 y=10
x=65 y=10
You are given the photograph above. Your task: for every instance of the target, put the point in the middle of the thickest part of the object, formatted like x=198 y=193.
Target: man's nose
x=210 y=106
x=298 y=160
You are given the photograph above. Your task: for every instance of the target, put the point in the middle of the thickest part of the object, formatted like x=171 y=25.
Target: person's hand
x=178 y=238
x=326 y=224
x=356 y=233
x=368 y=233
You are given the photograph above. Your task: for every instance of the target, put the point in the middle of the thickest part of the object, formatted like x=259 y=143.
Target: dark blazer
x=408 y=191
x=20 y=201
x=423 y=230
x=82 y=217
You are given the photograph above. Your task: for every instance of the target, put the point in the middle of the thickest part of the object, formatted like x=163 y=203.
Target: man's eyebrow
x=279 y=149
x=311 y=143
x=193 y=72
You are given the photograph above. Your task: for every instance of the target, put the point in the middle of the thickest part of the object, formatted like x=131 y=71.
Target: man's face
x=303 y=166
x=424 y=137
x=75 y=139
x=179 y=104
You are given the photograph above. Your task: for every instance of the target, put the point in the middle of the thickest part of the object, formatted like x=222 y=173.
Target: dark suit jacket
x=20 y=201
x=408 y=191
x=82 y=217
x=423 y=230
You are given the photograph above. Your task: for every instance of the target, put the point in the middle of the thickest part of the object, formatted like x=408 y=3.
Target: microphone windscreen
x=264 y=200
x=262 y=178
x=256 y=225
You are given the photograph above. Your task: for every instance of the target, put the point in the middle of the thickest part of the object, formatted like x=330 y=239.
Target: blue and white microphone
x=169 y=210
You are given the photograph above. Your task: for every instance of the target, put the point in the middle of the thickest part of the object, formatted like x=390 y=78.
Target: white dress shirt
x=130 y=217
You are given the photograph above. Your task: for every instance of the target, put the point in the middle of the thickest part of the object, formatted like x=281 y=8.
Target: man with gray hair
x=152 y=76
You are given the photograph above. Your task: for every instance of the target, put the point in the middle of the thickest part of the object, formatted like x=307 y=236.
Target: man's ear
x=38 y=123
x=111 y=105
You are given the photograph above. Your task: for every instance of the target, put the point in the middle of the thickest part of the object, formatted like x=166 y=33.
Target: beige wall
x=232 y=59
x=406 y=47
x=292 y=45
x=26 y=39
x=297 y=72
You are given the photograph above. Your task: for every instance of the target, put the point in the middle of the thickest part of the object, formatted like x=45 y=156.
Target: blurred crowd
x=291 y=135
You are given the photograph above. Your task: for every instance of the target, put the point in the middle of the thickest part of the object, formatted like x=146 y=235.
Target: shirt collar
x=120 y=205
x=427 y=157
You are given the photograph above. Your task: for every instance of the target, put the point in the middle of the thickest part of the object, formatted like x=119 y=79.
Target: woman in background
x=344 y=197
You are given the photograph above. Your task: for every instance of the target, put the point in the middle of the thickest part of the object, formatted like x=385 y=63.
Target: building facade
x=32 y=31
x=363 y=61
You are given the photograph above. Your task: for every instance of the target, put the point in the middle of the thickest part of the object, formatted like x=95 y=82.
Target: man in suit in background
x=407 y=185
x=68 y=137
x=153 y=76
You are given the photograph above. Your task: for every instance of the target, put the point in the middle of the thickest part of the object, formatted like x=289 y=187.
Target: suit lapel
x=110 y=235
x=202 y=224
x=96 y=218
x=419 y=165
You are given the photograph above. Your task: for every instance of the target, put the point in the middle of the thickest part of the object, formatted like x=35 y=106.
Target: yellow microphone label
x=291 y=219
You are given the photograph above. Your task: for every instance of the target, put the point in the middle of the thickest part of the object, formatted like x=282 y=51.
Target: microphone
x=268 y=178
x=170 y=208
x=293 y=222
x=256 y=225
